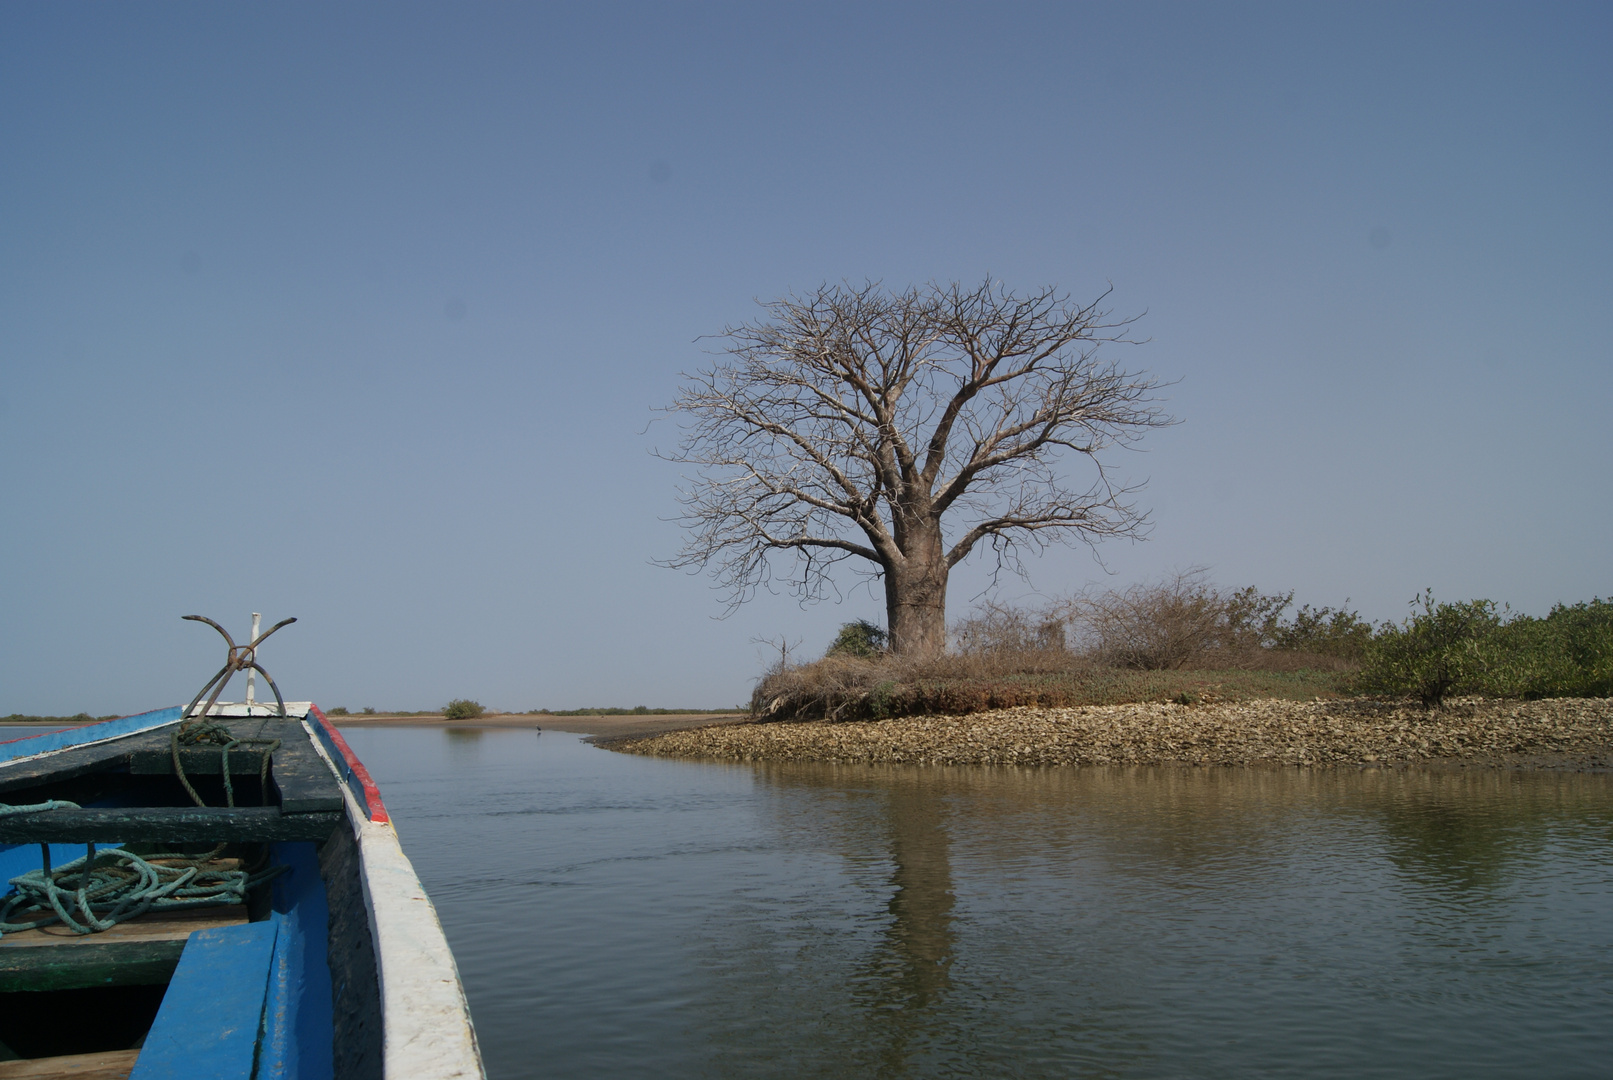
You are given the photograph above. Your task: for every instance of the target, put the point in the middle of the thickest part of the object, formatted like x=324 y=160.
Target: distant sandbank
x=627 y=725
x=630 y=725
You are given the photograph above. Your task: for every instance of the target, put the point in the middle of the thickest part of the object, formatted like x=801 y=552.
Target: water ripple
x=617 y=915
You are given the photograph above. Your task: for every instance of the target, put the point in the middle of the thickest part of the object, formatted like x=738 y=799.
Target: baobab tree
x=902 y=431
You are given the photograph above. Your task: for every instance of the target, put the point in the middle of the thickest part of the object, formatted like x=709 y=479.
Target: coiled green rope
x=114 y=885
x=131 y=885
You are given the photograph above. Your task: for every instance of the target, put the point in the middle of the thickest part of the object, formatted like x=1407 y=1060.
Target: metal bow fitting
x=240 y=658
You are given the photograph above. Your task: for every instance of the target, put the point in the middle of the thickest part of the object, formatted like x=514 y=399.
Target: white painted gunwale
x=426 y=1026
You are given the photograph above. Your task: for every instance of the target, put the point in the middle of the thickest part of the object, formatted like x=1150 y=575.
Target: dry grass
x=849 y=688
x=1180 y=639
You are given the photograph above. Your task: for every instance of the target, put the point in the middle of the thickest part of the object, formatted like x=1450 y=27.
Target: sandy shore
x=1564 y=734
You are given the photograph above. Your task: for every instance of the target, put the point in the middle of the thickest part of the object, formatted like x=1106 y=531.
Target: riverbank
x=602 y=726
x=1569 y=733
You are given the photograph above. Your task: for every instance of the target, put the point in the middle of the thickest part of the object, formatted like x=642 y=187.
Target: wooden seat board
x=106 y=1065
x=115 y=963
x=65 y=765
x=205 y=761
x=141 y=952
x=153 y=926
x=168 y=825
x=212 y=1012
x=302 y=781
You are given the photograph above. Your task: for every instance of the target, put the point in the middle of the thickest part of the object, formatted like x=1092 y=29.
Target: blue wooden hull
x=340 y=970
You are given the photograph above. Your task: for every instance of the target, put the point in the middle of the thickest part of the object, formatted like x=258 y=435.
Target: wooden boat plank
x=151 y=753
x=357 y=1023
x=154 y=926
x=95 y=963
x=167 y=824
x=143 y=754
x=301 y=779
x=106 y=1065
x=203 y=761
x=210 y=1016
x=66 y=765
x=141 y=952
x=305 y=783
x=49 y=741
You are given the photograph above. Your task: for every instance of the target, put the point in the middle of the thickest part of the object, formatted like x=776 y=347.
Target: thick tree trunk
x=916 y=597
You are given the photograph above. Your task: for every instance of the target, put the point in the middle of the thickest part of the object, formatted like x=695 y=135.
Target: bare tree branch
x=859 y=423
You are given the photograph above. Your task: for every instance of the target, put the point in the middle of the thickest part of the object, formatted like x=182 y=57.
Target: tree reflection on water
x=893 y=824
x=1136 y=921
x=911 y=969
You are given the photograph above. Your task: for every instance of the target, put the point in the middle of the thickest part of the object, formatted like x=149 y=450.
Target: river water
x=623 y=916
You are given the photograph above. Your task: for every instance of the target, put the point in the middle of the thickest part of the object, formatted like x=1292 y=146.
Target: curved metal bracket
x=240 y=658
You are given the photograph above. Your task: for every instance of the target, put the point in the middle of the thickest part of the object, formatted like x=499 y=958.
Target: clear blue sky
x=360 y=313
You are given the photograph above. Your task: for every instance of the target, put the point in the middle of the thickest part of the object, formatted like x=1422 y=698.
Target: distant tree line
x=77 y=718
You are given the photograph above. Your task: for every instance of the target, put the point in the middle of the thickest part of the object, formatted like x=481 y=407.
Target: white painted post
x=251 y=673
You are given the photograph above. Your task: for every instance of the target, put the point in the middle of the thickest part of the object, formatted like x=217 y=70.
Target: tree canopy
x=902 y=431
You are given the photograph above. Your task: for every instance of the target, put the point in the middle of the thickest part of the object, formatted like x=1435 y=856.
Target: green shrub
x=861 y=638
x=1324 y=631
x=1473 y=649
x=881 y=699
x=337 y=711
x=462 y=709
x=1584 y=633
x=1442 y=650
x=1569 y=653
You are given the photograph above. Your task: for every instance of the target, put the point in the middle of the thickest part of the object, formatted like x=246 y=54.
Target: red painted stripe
x=37 y=734
x=372 y=794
